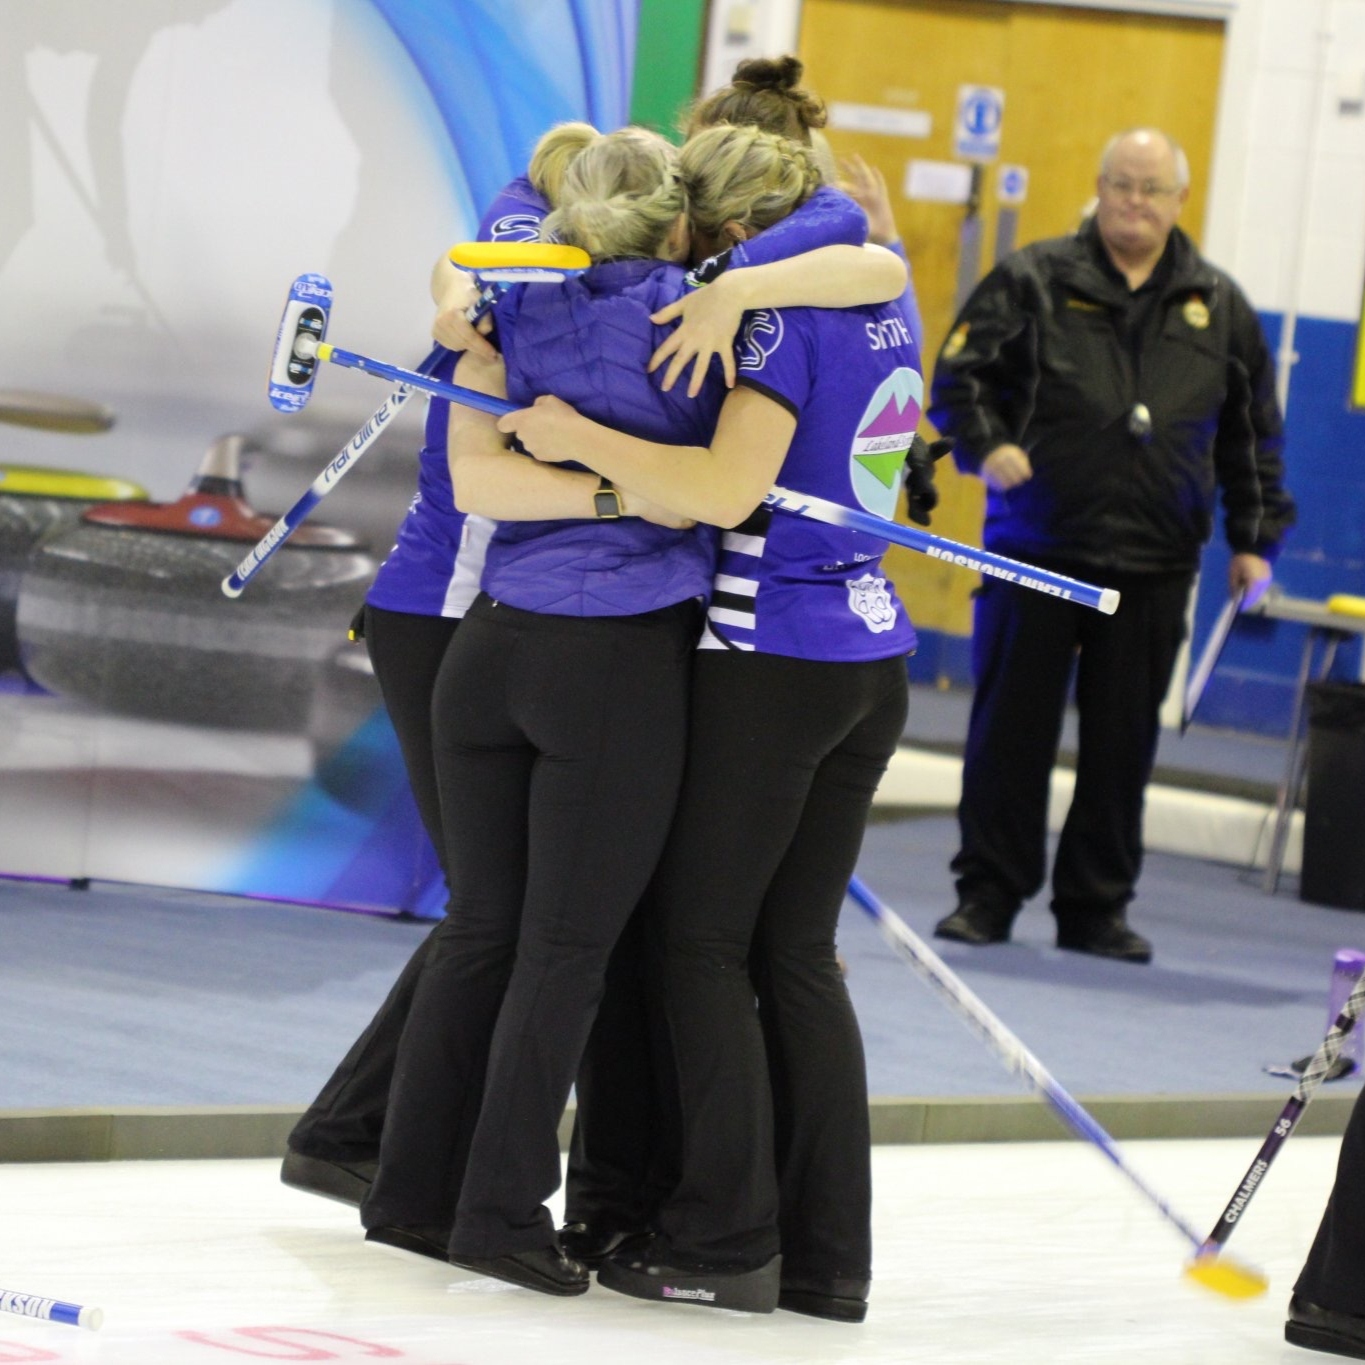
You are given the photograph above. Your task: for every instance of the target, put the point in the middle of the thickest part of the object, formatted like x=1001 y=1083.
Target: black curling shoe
x=1320 y=1329
x=547 y=1270
x=837 y=1300
x=589 y=1243
x=348 y=1182
x=641 y=1269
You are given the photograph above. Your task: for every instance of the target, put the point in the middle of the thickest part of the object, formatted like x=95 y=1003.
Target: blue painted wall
x=1325 y=553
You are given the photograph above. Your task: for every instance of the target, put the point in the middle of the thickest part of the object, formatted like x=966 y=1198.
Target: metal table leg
x=1287 y=798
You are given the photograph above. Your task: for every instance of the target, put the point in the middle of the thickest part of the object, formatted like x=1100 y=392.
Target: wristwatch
x=606 y=501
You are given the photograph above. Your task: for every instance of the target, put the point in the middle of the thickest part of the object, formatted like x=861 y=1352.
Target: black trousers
x=559 y=744
x=619 y=1165
x=346 y=1119
x=1333 y=1276
x=784 y=756
x=1024 y=646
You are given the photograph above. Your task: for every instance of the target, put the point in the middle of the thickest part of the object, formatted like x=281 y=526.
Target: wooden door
x=1072 y=77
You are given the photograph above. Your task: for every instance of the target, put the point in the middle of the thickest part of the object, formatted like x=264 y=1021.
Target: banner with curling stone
x=151 y=730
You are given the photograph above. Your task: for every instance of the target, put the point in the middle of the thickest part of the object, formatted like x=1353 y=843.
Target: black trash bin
x=1334 y=814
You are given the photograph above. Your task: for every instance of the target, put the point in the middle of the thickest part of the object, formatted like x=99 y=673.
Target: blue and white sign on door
x=1011 y=185
x=980 y=112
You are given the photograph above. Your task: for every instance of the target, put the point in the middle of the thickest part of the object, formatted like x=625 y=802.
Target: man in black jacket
x=1105 y=386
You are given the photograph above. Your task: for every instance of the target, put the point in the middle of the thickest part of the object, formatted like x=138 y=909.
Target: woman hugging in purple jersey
x=798 y=700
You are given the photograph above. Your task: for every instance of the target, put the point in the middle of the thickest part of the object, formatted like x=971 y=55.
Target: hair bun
x=764 y=93
x=770 y=73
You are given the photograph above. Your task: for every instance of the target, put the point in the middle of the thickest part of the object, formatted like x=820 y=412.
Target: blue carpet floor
x=124 y=995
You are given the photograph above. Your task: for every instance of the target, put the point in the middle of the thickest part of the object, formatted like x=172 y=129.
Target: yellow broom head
x=488 y=258
x=1225 y=1276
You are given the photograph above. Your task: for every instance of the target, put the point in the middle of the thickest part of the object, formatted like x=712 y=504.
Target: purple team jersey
x=437 y=559
x=789 y=585
x=434 y=566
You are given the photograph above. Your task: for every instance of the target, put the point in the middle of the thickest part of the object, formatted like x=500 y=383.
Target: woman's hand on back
x=710 y=320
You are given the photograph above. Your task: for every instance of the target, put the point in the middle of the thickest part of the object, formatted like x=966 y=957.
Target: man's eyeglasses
x=1145 y=189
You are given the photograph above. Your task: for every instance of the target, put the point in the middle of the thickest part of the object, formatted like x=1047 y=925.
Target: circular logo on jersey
x=883 y=440
x=1196 y=313
x=762 y=336
x=952 y=348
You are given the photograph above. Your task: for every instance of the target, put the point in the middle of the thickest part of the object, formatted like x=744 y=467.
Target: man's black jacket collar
x=1089 y=271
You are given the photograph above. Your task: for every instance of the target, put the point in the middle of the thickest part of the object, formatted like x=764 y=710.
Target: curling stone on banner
x=123 y=610
x=369 y=502
x=35 y=502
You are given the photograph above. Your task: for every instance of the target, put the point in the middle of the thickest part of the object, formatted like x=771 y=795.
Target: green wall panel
x=667 y=61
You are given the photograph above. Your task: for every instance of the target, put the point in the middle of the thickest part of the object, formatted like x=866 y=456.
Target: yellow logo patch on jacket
x=1196 y=313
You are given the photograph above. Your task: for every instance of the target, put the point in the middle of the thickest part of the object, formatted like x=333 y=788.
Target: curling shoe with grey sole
x=640 y=1271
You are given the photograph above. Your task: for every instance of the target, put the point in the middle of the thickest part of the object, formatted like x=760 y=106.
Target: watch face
x=607 y=504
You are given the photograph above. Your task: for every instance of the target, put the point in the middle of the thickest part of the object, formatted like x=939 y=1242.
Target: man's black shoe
x=641 y=1269
x=1103 y=937
x=1320 y=1329
x=589 y=1243
x=837 y=1300
x=348 y=1182
x=416 y=1241
x=545 y=1269
x=977 y=923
